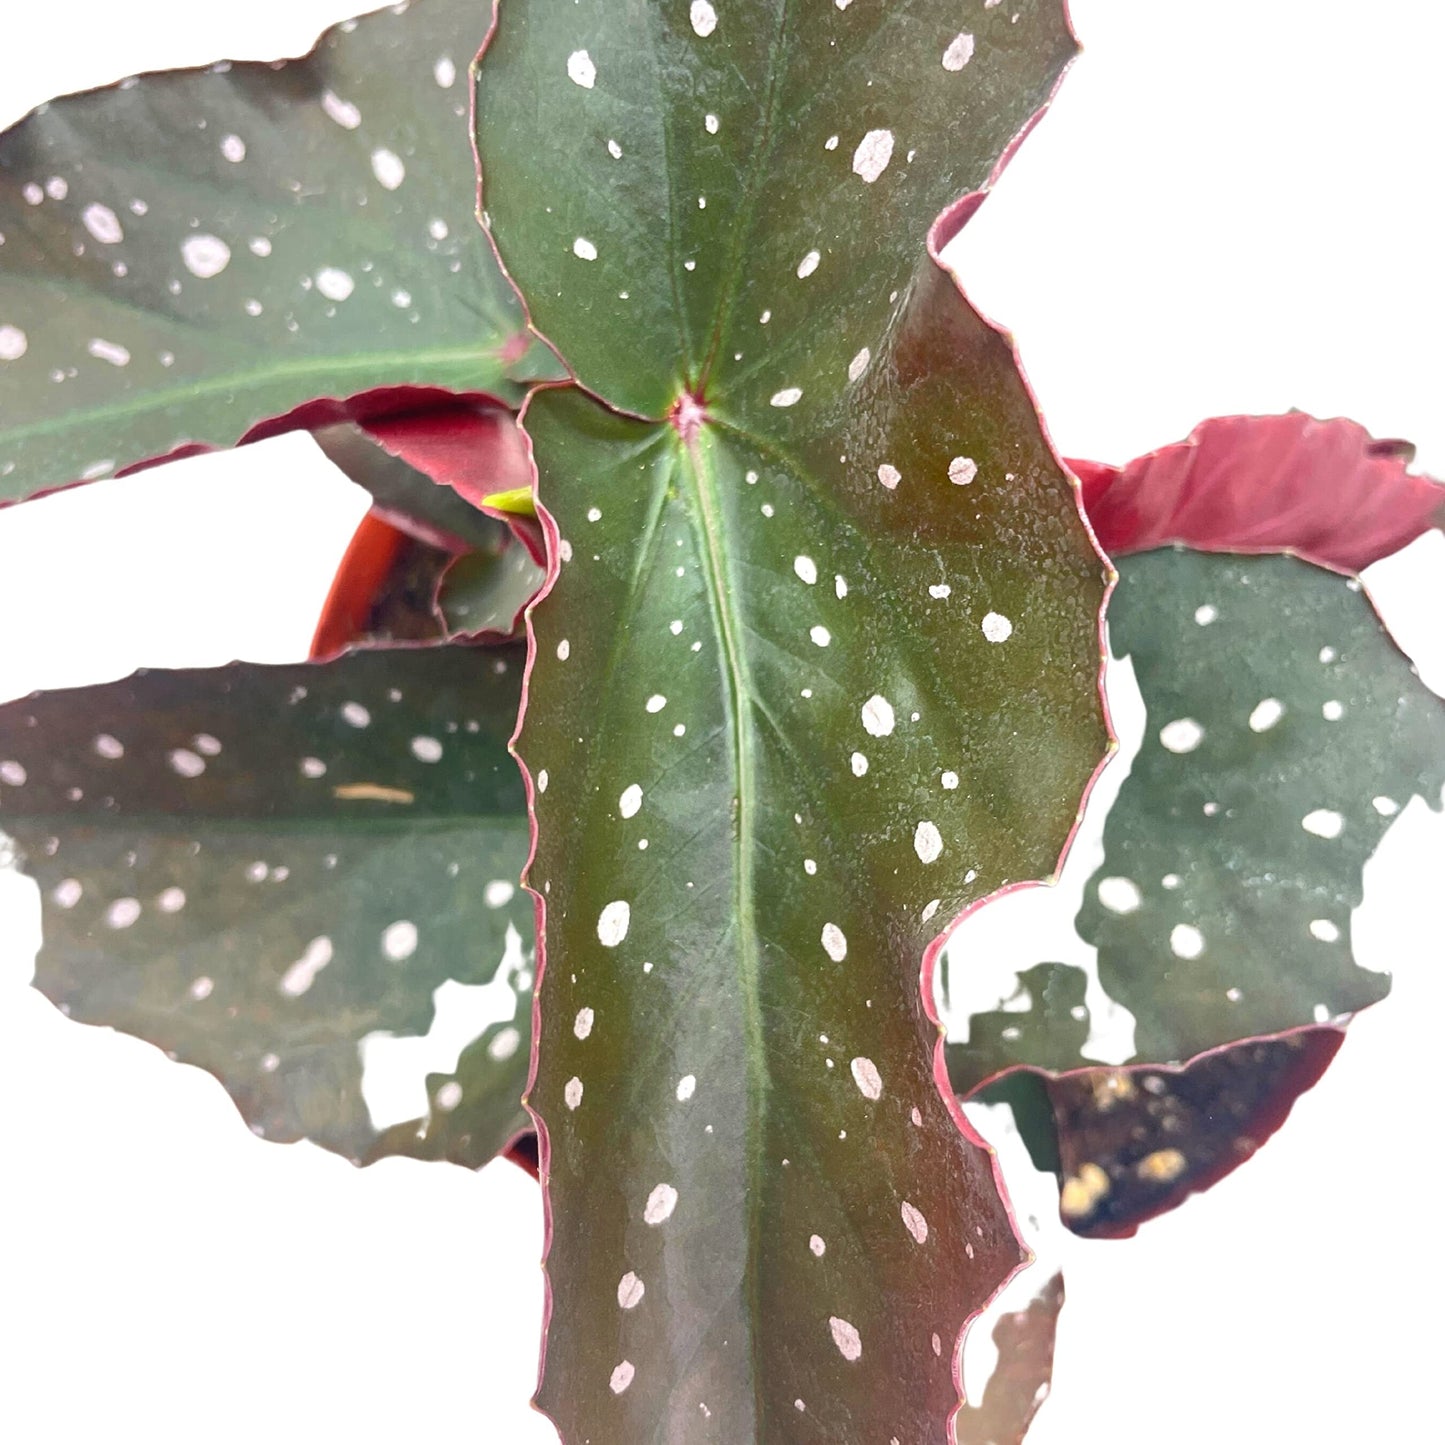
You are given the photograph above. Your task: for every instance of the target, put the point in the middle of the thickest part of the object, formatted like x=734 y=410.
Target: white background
x=1235 y=206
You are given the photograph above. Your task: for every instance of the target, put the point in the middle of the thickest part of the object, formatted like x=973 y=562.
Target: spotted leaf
x=1284 y=731
x=1135 y=1143
x=818 y=669
x=302 y=878
x=191 y=255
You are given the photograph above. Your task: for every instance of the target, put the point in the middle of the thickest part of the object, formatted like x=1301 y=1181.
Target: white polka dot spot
x=660 y=1204
x=388 y=168
x=399 y=940
x=613 y=921
x=703 y=17
x=866 y=1076
x=835 y=945
x=874 y=152
x=914 y=1222
x=1265 y=715
x=1323 y=823
x=997 y=627
x=878 y=716
x=959 y=52
x=205 y=255
x=927 y=842
x=1182 y=735
x=1186 y=941
x=580 y=69
x=850 y=1346
x=1120 y=895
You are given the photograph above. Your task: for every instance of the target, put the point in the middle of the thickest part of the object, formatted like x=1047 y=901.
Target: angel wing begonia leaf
x=259 y=868
x=189 y=255
x=819 y=668
x=1284 y=731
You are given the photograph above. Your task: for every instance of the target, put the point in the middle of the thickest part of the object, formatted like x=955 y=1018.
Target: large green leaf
x=1284 y=732
x=819 y=670
x=256 y=868
x=192 y=254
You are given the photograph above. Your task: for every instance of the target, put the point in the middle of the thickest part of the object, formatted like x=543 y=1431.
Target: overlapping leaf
x=1020 y=1382
x=819 y=669
x=1284 y=731
x=1325 y=490
x=1134 y=1143
x=190 y=255
x=257 y=868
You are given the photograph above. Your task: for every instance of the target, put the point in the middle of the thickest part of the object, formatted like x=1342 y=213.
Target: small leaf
x=1284 y=732
x=259 y=868
x=485 y=593
x=374 y=456
x=1020 y=1382
x=1135 y=1143
x=759 y=795
x=192 y=254
x=1325 y=490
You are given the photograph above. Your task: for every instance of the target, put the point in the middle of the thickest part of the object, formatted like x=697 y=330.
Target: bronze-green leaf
x=819 y=670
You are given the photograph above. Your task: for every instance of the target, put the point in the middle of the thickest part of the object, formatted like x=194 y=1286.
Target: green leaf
x=1284 y=732
x=786 y=720
x=193 y=254
x=256 y=868
x=485 y=592
x=407 y=497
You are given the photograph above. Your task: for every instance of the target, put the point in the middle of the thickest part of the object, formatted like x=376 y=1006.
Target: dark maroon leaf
x=1135 y=1143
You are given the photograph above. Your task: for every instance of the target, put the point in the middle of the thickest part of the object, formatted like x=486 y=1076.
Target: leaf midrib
x=718 y=575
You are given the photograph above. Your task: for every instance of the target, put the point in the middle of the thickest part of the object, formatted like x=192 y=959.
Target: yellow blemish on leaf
x=1163 y=1166
x=1110 y=1088
x=1082 y=1191
x=518 y=501
x=371 y=793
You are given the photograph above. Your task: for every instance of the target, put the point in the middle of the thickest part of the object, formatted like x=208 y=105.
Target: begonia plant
x=725 y=629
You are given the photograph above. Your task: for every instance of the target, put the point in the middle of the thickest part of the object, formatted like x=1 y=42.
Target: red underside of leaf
x=475 y=449
x=1326 y=491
